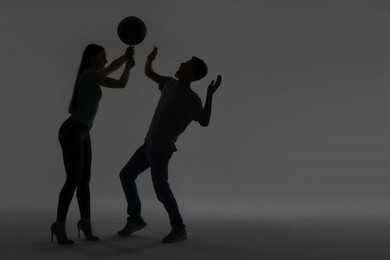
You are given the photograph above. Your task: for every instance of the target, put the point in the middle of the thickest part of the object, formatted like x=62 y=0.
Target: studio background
x=299 y=124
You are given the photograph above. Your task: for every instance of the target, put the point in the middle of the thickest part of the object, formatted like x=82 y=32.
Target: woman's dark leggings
x=77 y=153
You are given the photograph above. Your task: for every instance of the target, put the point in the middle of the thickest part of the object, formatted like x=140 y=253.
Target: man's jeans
x=143 y=159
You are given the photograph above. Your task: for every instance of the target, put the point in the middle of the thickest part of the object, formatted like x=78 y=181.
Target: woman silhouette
x=74 y=134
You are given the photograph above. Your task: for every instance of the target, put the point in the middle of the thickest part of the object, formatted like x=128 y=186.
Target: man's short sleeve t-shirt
x=175 y=110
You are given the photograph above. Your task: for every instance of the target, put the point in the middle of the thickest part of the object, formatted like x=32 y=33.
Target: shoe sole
x=174 y=241
x=131 y=231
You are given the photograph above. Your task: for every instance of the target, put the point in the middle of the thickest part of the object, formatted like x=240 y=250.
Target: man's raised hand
x=214 y=85
x=152 y=55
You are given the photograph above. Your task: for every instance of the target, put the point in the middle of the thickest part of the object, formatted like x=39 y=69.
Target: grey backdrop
x=301 y=117
x=294 y=164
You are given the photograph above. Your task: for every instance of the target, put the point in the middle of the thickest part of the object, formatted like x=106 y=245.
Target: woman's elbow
x=204 y=123
x=122 y=83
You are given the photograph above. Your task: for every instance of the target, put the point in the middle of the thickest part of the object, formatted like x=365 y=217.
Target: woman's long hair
x=90 y=51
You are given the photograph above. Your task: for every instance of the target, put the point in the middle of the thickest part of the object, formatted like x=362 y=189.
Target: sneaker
x=176 y=235
x=132 y=226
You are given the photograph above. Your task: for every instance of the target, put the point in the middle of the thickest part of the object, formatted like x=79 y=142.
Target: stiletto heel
x=84 y=225
x=58 y=229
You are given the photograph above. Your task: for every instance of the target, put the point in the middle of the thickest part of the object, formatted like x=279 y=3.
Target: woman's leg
x=72 y=151
x=83 y=191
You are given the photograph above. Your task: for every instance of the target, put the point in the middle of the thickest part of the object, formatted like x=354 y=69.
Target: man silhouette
x=177 y=107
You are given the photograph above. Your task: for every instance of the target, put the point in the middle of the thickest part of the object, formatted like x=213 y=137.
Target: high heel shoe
x=58 y=229
x=84 y=225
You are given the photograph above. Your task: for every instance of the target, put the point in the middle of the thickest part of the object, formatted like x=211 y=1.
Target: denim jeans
x=143 y=159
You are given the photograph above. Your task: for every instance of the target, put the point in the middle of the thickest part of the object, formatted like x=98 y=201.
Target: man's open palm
x=214 y=85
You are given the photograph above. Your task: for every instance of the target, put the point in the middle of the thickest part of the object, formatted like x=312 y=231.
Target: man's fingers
x=219 y=79
x=152 y=55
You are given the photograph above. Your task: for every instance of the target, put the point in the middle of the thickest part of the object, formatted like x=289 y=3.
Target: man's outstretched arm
x=149 y=72
x=204 y=117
